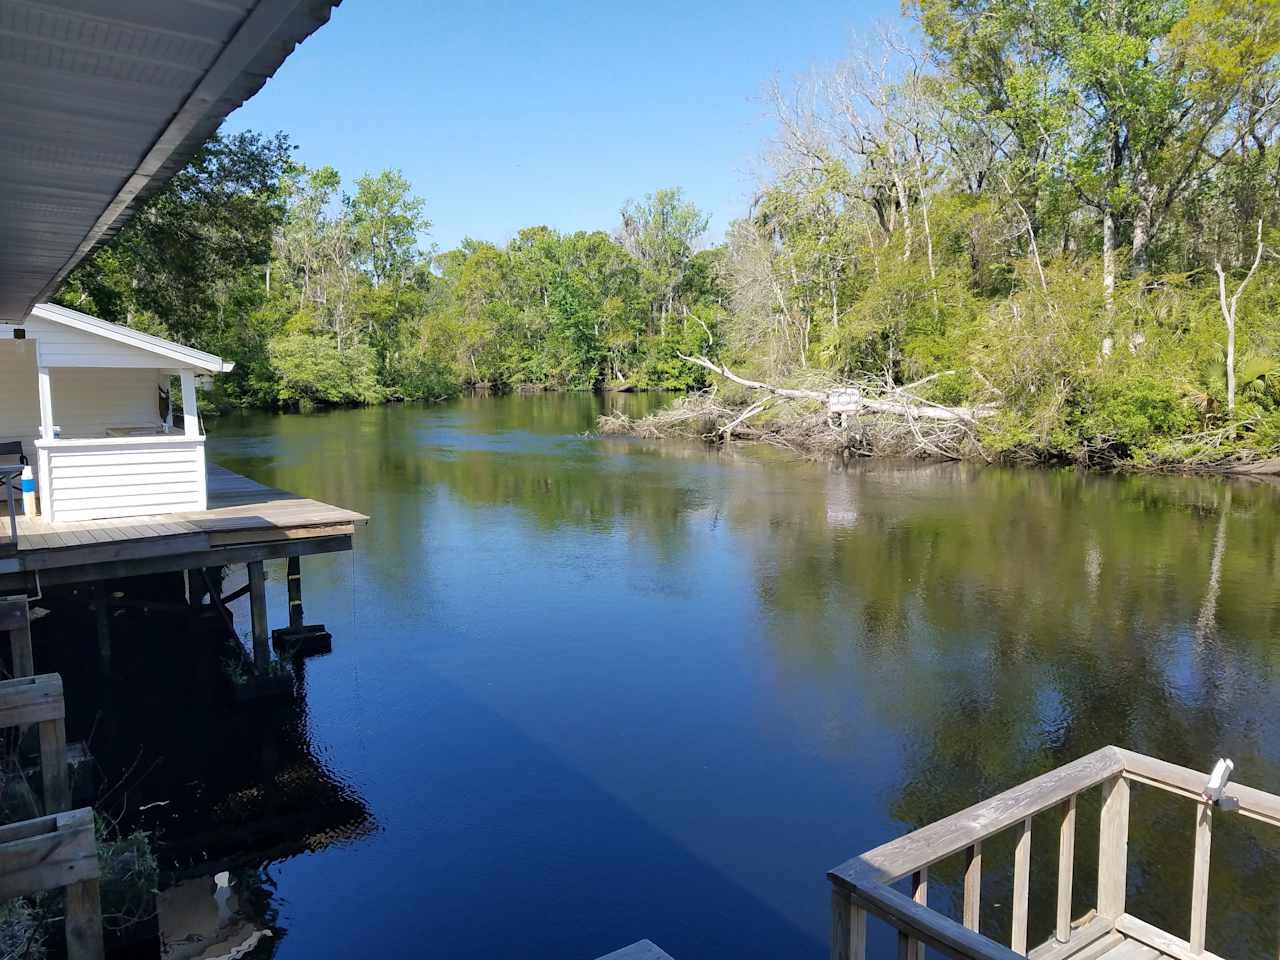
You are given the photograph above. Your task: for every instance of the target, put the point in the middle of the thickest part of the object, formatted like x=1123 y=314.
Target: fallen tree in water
x=837 y=418
x=851 y=399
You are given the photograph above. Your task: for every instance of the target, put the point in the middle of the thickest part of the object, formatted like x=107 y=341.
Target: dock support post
x=53 y=765
x=84 y=921
x=294 y=573
x=298 y=639
x=102 y=622
x=258 y=613
x=15 y=616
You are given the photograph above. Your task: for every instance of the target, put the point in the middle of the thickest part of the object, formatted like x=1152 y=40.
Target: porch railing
x=109 y=477
x=861 y=887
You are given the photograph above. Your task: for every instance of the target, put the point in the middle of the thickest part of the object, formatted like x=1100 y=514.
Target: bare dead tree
x=1229 y=308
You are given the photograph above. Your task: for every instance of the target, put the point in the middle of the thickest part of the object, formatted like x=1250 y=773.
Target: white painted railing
x=104 y=478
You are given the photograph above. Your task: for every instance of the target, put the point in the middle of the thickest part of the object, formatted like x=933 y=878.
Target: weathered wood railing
x=58 y=849
x=37 y=701
x=862 y=886
x=51 y=852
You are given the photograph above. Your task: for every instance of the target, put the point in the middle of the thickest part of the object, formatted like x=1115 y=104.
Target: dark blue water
x=593 y=690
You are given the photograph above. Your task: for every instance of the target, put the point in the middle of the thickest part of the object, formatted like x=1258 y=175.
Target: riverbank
x=808 y=427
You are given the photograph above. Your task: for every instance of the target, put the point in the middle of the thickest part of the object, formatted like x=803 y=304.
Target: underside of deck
x=245 y=521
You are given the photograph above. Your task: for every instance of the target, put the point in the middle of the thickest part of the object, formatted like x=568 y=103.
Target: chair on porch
x=11 y=480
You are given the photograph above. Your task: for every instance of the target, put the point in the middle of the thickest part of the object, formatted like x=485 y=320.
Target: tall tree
x=661 y=231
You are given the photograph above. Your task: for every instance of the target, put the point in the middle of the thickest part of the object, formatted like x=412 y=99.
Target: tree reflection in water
x=852 y=652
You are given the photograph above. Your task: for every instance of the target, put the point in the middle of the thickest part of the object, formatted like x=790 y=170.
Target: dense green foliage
x=324 y=297
x=1028 y=202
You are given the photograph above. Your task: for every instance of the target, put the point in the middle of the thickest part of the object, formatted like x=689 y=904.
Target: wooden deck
x=245 y=521
x=1119 y=947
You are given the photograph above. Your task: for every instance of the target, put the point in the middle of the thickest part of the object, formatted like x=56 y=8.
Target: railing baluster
x=1066 y=868
x=1113 y=847
x=1200 y=876
x=857 y=933
x=1021 y=887
x=920 y=894
x=841 y=907
x=972 y=885
x=848 y=927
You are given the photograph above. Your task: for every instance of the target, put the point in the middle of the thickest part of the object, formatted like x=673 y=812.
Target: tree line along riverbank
x=1067 y=223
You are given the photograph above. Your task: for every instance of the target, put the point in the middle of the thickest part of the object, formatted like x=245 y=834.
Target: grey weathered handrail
x=1256 y=804
x=954 y=834
x=861 y=886
x=860 y=893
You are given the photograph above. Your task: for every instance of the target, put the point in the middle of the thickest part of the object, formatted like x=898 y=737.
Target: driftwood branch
x=728 y=374
x=896 y=404
x=758 y=407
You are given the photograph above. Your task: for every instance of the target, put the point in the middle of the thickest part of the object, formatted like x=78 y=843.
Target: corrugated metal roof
x=103 y=103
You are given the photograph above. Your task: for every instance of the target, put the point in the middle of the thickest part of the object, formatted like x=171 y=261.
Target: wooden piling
x=258 y=613
x=15 y=616
x=298 y=639
x=102 y=623
x=83 y=922
x=53 y=765
x=294 y=573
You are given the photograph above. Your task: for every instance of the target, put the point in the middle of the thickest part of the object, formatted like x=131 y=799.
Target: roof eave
x=177 y=354
x=227 y=84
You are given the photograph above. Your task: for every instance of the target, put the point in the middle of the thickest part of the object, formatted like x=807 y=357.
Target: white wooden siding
x=121 y=477
x=85 y=401
x=63 y=346
x=19 y=403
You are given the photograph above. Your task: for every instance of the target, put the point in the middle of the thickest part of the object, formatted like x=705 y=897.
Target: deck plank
x=1131 y=950
x=1099 y=948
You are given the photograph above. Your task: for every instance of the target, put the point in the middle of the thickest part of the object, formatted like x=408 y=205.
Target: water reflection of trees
x=1032 y=617
x=994 y=623
x=517 y=452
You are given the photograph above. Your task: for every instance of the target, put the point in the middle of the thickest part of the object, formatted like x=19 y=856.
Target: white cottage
x=89 y=401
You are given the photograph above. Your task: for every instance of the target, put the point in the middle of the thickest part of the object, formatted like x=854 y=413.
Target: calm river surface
x=592 y=690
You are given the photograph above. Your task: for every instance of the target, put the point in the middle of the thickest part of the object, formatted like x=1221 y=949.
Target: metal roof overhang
x=104 y=102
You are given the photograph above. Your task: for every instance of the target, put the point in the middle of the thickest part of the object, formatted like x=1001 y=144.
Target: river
x=591 y=690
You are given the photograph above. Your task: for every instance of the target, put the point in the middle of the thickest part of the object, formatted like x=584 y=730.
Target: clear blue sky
x=505 y=115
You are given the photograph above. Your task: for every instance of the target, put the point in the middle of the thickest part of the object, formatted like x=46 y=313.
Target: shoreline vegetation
x=807 y=428
x=1062 y=219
